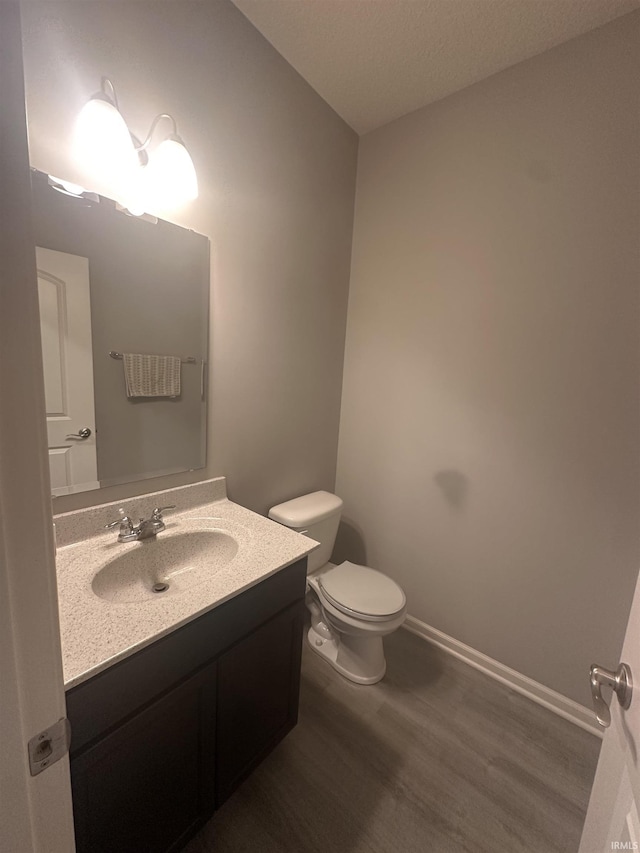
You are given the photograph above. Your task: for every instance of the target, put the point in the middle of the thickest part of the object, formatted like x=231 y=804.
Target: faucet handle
x=124 y=521
x=157 y=512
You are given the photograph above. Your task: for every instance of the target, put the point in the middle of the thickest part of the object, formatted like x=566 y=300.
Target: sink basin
x=171 y=563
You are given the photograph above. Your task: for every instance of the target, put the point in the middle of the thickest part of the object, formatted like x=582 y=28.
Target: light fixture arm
x=154 y=124
x=104 y=81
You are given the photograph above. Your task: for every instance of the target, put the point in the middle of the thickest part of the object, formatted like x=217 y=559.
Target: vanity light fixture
x=141 y=175
x=170 y=175
x=138 y=214
x=69 y=188
x=103 y=144
x=66 y=187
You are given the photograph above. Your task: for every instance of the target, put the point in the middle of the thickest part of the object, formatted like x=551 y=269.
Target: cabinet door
x=149 y=784
x=258 y=688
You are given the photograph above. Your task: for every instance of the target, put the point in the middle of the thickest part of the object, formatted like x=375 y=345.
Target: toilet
x=352 y=607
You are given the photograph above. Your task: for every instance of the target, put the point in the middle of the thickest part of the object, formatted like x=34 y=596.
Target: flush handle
x=619 y=681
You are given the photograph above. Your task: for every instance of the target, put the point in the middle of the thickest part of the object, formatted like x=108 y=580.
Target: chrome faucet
x=145 y=529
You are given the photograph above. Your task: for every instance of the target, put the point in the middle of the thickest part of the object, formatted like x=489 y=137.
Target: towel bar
x=188 y=360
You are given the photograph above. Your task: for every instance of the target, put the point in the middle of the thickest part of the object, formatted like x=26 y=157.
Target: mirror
x=111 y=284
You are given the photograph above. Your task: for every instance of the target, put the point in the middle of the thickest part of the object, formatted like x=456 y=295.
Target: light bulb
x=171 y=175
x=103 y=144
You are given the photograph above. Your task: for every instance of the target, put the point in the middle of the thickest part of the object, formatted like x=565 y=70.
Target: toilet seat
x=362 y=592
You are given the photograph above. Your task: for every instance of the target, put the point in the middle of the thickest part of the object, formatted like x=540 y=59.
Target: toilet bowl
x=358 y=606
x=352 y=607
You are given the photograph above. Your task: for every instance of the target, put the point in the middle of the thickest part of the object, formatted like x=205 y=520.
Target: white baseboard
x=556 y=702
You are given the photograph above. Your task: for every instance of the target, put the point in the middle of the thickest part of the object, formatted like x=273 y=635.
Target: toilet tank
x=316 y=515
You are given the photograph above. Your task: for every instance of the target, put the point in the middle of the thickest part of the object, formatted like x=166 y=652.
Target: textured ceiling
x=376 y=60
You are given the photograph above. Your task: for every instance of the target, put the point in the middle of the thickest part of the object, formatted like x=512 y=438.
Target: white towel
x=151 y=375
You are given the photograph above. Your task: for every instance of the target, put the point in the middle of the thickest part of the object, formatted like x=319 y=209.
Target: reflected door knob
x=83 y=433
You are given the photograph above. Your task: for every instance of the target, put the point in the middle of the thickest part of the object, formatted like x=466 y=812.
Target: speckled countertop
x=97 y=632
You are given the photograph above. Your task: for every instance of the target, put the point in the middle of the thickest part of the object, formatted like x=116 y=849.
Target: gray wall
x=276 y=169
x=488 y=450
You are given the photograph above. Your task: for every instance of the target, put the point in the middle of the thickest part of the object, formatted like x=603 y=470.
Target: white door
x=65 y=325
x=612 y=821
x=35 y=811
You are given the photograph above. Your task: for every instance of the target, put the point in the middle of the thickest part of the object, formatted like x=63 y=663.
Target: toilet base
x=359 y=659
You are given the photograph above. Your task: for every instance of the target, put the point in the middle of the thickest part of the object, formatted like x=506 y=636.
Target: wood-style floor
x=437 y=758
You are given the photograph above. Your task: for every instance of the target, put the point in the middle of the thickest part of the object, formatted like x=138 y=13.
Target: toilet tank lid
x=306 y=510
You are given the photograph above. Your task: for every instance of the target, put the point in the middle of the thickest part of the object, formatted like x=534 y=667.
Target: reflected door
x=65 y=325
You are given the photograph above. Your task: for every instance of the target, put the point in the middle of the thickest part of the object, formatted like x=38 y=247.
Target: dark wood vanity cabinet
x=146 y=785
x=258 y=686
x=161 y=739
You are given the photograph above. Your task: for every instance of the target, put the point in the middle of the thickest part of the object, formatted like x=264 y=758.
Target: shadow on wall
x=454 y=487
x=349 y=544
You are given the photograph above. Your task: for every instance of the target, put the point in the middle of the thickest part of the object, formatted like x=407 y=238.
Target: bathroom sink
x=164 y=566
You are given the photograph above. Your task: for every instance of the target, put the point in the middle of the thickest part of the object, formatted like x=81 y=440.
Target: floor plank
x=437 y=758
